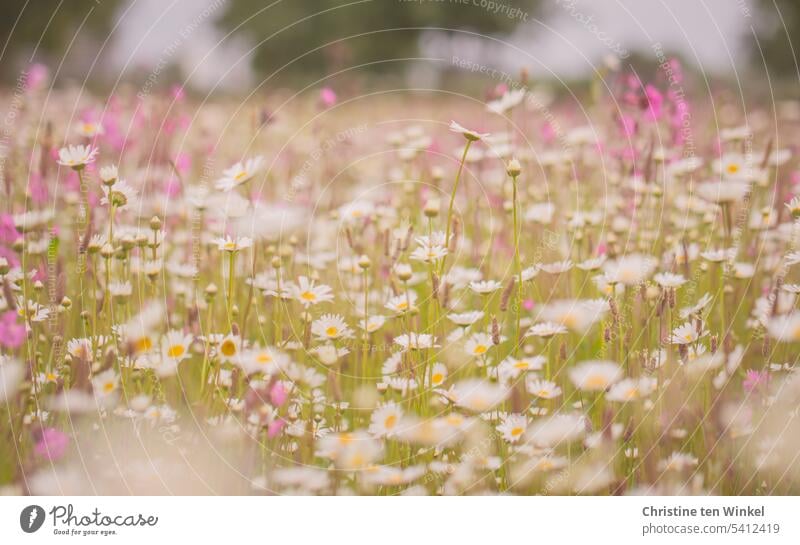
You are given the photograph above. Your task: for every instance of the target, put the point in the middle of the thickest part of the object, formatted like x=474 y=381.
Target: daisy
x=556 y=268
x=723 y=192
x=631 y=389
x=704 y=362
x=512 y=427
x=669 y=280
x=120 y=290
x=551 y=431
x=543 y=389
x=477 y=395
x=120 y=195
x=33 y=311
x=791 y=288
x=438 y=374
x=629 y=270
x=428 y=254
x=329 y=353
x=228 y=244
x=88 y=129
x=686 y=334
x=678 y=461
x=356 y=210
x=592 y=264
x=785 y=328
x=530 y=273
x=478 y=344
x=509 y=100
x=402 y=303
x=794 y=207
x=76 y=157
x=394 y=476
x=330 y=327
x=373 y=323
x=467 y=133
x=81 y=349
x=595 y=375
x=109 y=174
x=697 y=308
x=239 y=174
x=384 y=420
x=465 y=319
x=792 y=258
x=229 y=348
x=545 y=330
x=175 y=345
x=266 y=360
x=105 y=384
x=485 y=287
x=12 y=373
x=307 y=293
x=415 y=341
x=511 y=367
x=576 y=314
x=719 y=255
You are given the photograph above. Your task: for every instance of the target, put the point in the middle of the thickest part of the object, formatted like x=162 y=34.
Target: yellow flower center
x=228 y=348
x=437 y=378
x=596 y=382
x=516 y=432
x=480 y=349
x=522 y=364
x=733 y=168
x=454 y=419
x=390 y=421
x=332 y=331
x=176 y=351
x=108 y=387
x=264 y=357
x=143 y=344
x=308 y=296
x=240 y=175
x=544 y=465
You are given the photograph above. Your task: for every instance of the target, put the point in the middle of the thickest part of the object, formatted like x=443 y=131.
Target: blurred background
x=236 y=45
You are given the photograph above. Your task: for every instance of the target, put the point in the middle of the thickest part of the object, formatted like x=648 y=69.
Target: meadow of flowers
x=398 y=294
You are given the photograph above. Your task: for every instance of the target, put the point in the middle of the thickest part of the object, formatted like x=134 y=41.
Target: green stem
x=450 y=207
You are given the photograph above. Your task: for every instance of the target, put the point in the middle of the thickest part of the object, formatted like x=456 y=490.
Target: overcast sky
x=574 y=37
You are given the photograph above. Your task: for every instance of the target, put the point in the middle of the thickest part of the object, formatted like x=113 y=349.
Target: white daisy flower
x=76 y=157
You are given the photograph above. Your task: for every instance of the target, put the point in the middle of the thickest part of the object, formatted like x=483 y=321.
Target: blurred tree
x=364 y=31
x=778 y=28
x=43 y=29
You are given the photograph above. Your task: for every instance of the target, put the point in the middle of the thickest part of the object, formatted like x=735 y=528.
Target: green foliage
x=777 y=24
x=298 y=36
x=43 y=29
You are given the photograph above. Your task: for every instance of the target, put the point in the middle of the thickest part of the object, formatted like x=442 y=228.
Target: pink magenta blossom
x=327 y=97
x=12 y=333
x=277 y=394
x=755 y=380
x=52 y=444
